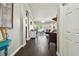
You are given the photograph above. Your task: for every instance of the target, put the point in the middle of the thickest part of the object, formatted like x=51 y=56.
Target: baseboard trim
x=23 y=44
x=28 y=39
x=17 y=49
x=58 y=54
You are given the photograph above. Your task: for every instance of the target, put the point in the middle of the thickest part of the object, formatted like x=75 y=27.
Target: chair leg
x=48 y=44
x=6 y=51
x=56 y=47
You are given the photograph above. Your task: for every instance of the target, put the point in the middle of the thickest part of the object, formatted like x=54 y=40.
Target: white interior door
x=67 y=19
x=67 y=28
x=71 y=29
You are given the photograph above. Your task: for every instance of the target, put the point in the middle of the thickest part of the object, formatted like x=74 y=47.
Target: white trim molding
x=58 y=54
x=23 y=44
x=17 y=49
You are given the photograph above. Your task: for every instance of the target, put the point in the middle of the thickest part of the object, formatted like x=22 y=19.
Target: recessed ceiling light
x=43 y=21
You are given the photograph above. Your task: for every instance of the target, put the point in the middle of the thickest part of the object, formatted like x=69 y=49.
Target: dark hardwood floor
x=37 y=47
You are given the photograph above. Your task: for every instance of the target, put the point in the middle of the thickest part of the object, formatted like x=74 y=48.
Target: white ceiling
x=42 y=11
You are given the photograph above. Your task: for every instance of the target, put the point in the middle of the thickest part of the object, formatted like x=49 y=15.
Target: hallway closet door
x=67 y=28
x=75 y=37
x=71 y=29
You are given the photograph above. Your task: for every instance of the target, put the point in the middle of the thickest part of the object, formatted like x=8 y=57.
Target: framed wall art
x=6 y=15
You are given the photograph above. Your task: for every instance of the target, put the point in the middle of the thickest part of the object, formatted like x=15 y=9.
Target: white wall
x=15 y=32
x=23 y=18
x=29 y=18
x=24 y=8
